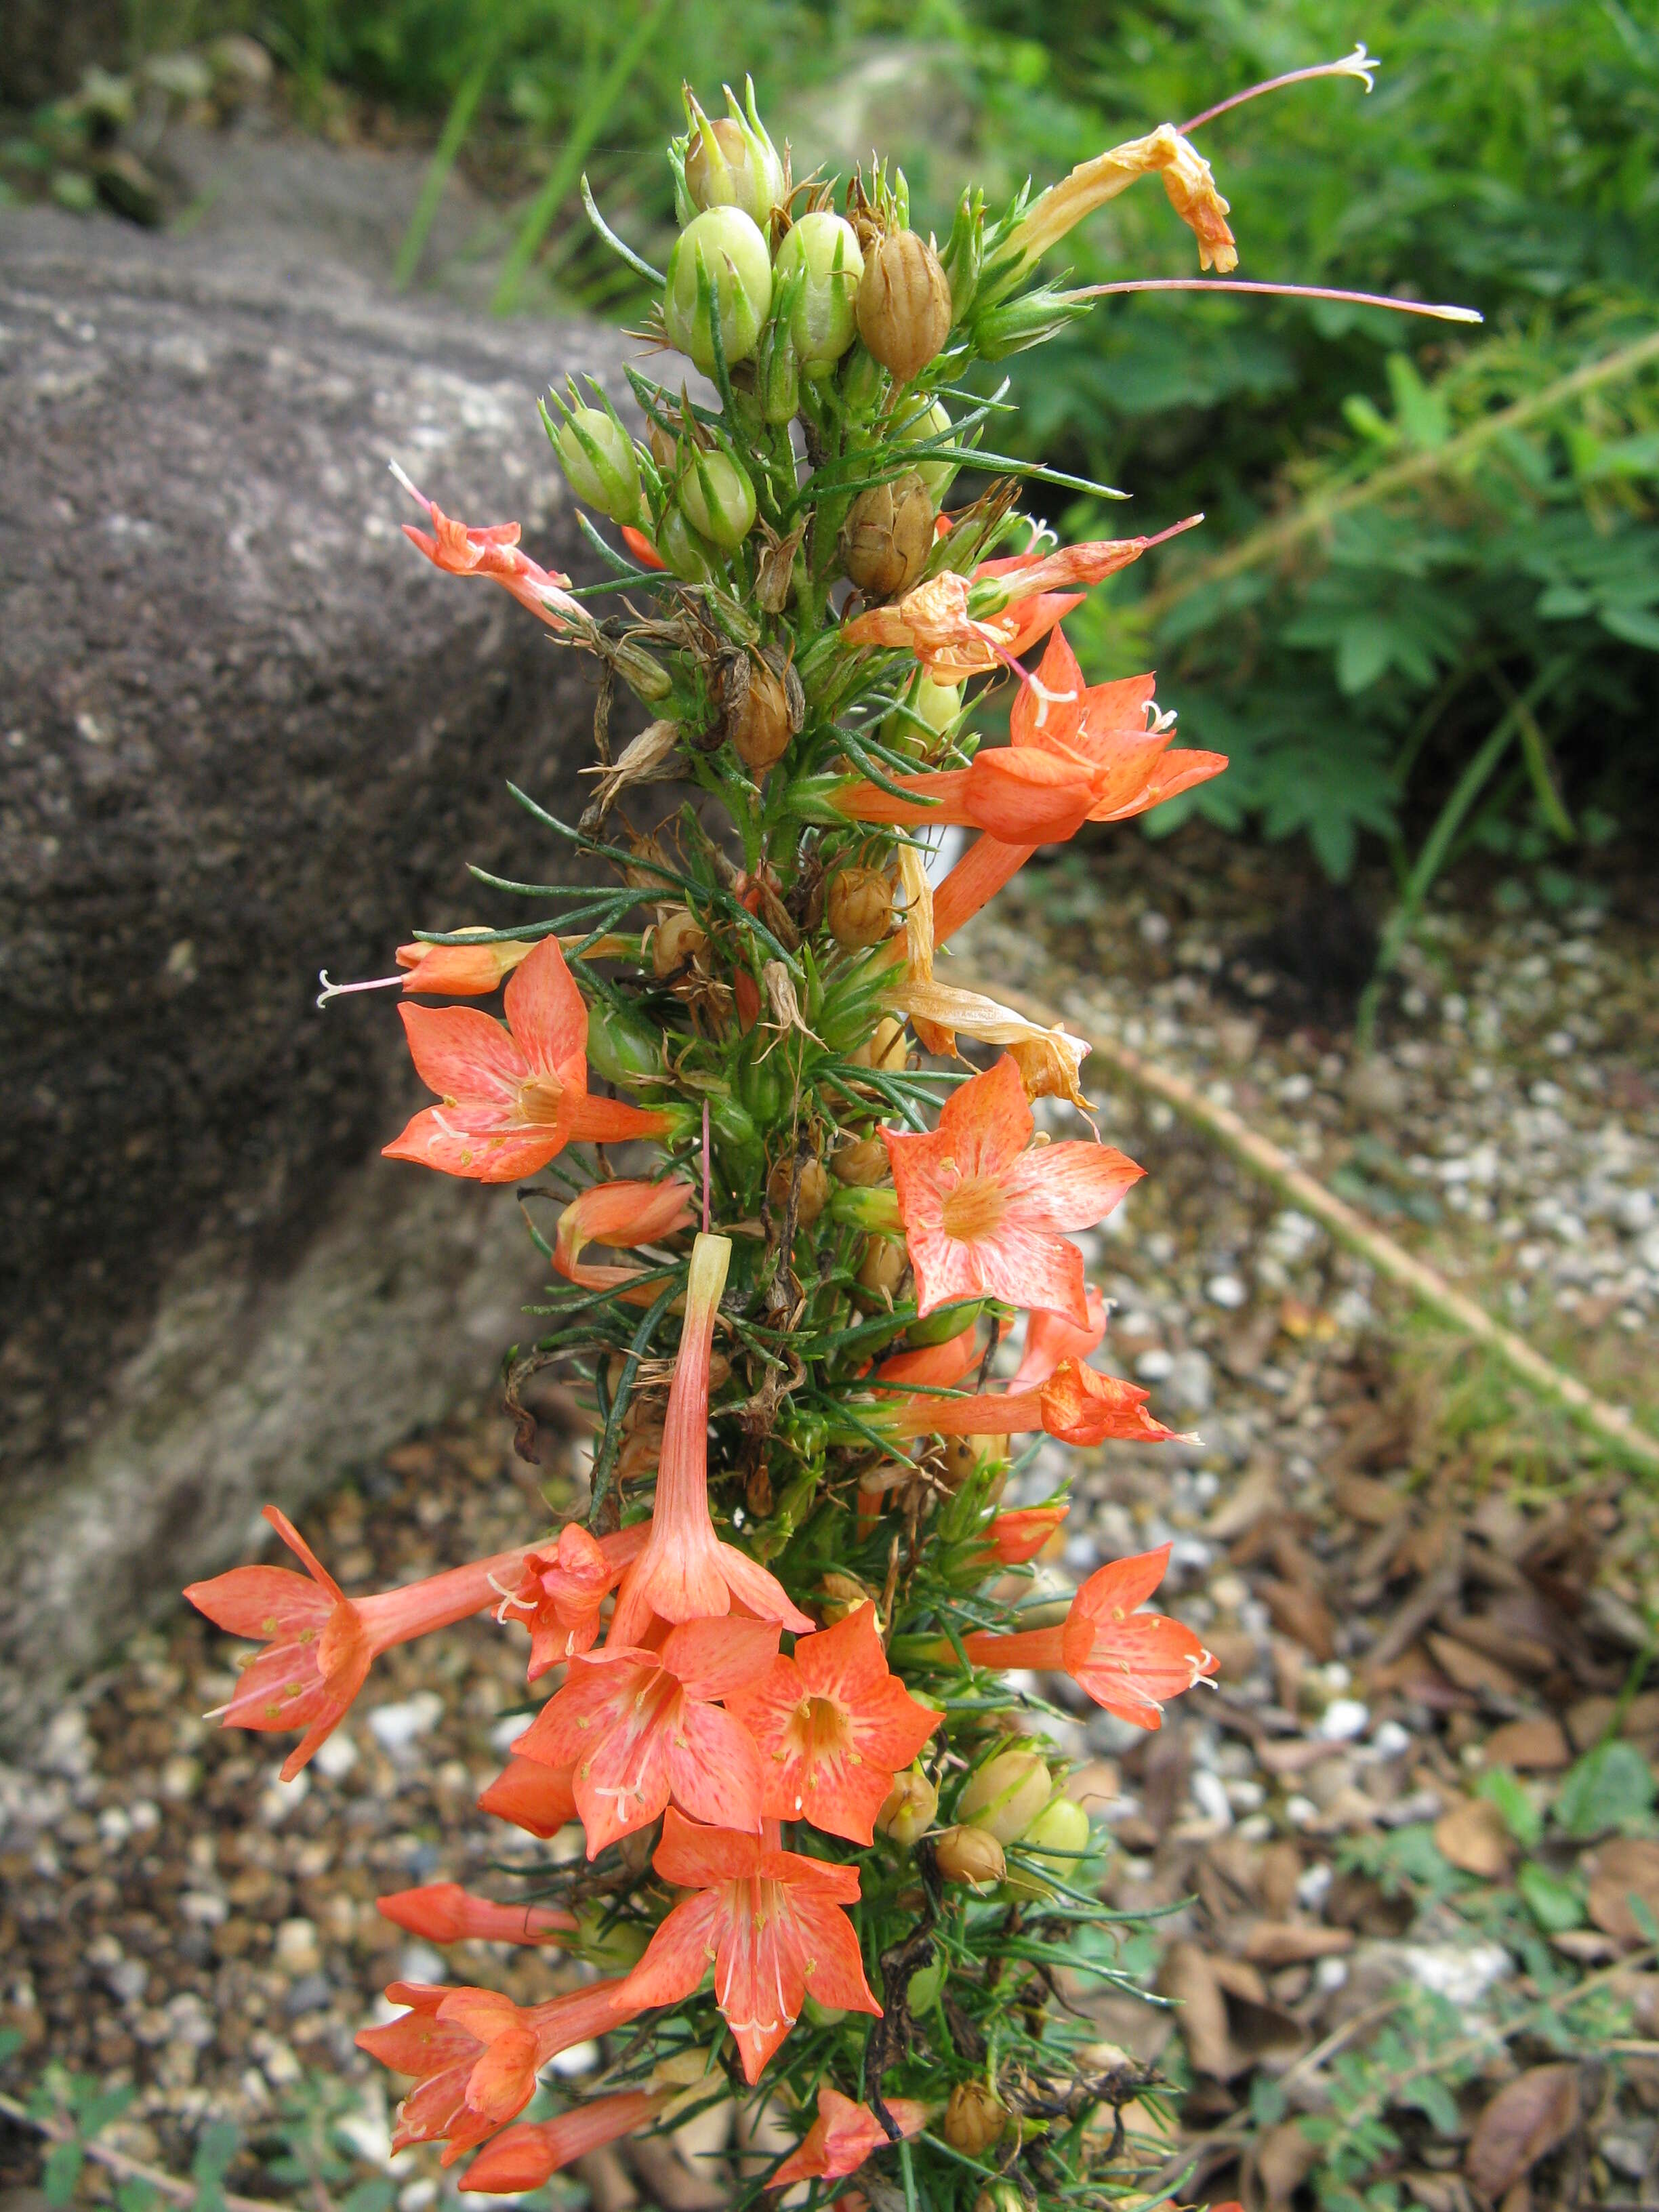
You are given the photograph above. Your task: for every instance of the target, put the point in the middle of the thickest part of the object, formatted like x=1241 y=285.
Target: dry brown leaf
x=1524 y=1654
x=1264 y=2035
x=1471 y=1669
x=1438 y=2192
x=1360 y=1902
x=1292 y=1943
x=1534 y=1746
x=1277 y=1871
x=1527 y=2119
x=1471 y=1835
x=1188 y=1979
x=1238 y=1977
x=1300 y=1615
x=1283 y=2158
x=1365 y=1499
x=1628 y=1866
x=1261 y=1493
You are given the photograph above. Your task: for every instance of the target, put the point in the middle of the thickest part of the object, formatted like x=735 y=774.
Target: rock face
x=244 y=733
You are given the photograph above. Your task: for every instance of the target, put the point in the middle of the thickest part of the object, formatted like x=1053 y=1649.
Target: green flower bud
x=935 y=705
x=926 y=426
x=908 y=1812
x=1005 y=1795
x=826 y=248
x=718 y=500
x=863 y=381
x=687 y=552
x=733 y=162
x=921 y=1992
x=597 y=459
x=945 y=1322
x=613 y=1949
x=738 y=267
x=823 y=2016
x=1056 y=1840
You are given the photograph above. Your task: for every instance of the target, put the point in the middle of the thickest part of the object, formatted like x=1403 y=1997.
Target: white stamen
x=345 y=990
x=419 y=497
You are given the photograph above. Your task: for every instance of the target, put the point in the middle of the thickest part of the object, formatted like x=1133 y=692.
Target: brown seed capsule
x=863 y=1164
x=903 y=304
x=720 y=1371
x=969 y=1856
x=907 y=1810
x=886 y=1047
x=887 y=537
x=811 y=1198
x=882 y=1268
x=974 y=2119
x=640 y=1453
x=859 y=907
x=961 y=1461
x=758 y=1493
x=679 y=939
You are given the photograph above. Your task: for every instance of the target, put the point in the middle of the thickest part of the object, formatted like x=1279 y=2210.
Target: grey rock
x=244 y=733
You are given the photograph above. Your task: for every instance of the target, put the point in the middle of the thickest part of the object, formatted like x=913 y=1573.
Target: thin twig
x=1611 y=1423
x=132 y=2169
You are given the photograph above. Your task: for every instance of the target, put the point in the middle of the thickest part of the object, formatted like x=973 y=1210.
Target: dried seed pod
x=904 y=303
x=974 y=1859
x=886 y=1047
x=908 y=1811
x=960 y=1462
x=677 y=940
x=859 y=907
x=811 y=1196
x=887 y=536
x=719 y=1371
x=642 y=1449
x=758 y=718
x=863 y=1164
x=974 y=2119
x=883 y=1267
x=1005 y=1795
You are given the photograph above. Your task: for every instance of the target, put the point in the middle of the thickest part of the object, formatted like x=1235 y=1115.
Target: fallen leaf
x=1588 y=1720
x=1300 y=1615
x=1273 y=1943
x=1365 y=1499
x=1261 y=1493
x=1471 y=1669
x=1186 y=1980
x=1535 y=1746
x=1473 y=1836
x=1627 y=1867
x=1359 y=1901
x=1277 y=1871
x=1527 y=2119
x=1238 y=1977
x=1283 y=2158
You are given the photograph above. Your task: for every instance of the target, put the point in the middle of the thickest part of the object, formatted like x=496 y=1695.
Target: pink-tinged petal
x=1180 y=770
x=1012 y=1539
x=947 y=1268
x=935 y=1366
x=464 y=1054
x=678 y=1956
x=1071 y=1185
x=1057 y=697
x=818 y=1881
x=338 y=1691
x=987 y=1122
x=712 y=1658
x=503 y=2082
x=437 y=1137
x=262 y=1603
x=1080 y=1407
x=302 y=1550
x=538 y=1799
x=1113 y=1592
x=1135 y=1670
x=547 y=1015
x=845 y=1661
x=1031 y=1266
x=835 y=1970
x=762 y=1593
x=714 y=1770
x=892 y=1728
x=1050 y=1338
x=693 y=1857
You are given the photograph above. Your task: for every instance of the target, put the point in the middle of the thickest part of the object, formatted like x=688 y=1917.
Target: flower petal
x=547 y=1015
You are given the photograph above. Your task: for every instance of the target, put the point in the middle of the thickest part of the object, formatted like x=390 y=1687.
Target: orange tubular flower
x=560 y=1592
x=1014 y=1538
x=685 y=1572
x=1050 y=1338
x=933 y=1366
x=932 y=621
x=1075 y=1405
x=641 y=1727
x=476 y=2055
x=1130 y=1662
x=834 y=1727
x=524 y=2157
x=444 y=1912
x=461 y=972
x=774 y=1923
x=540 y=1800
x=625 y=1213
x=493 y=552
x=844 y=2136
x=983 y=1215
x=1186 y=180
x=513 y=1095
x=320 y=1643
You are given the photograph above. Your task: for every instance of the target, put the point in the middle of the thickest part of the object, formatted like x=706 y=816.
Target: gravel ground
x=1411 y=1576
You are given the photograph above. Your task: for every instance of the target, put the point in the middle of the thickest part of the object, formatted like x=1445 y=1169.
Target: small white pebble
x=1343 y=1721
x=1299 y=1811
x=1330 y=1973
x=1225 y=1291
x=1390 y=1741
x=336 y=1757
x=397 y=1727
x=1154 y=1366
x=1209 y=1794
x=1313 y=1886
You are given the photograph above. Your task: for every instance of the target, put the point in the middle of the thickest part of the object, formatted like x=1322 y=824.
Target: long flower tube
x=1187 y=179
x=1075 y=1405
x=685 y=1572
x=844 y=2137
x=618 y=1213
x=1130 y=1662
x=320 y=1643
x=513 y=1097
x=522 y=2158
x=444 y=1912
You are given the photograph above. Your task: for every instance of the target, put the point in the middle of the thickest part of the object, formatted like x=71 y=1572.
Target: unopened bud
x=970 y=1856
x=679 y=939
x=929 y=706
x=612 y=1946
x=922 y=1991
x=926 y=426
x=974 y=2119
x=727 y=165
x=887 y=537
x=777 y=374
x=719 y=500
x=961 y=1461
x=882 y=1266
x=907 y=1810
x=597 y=456
x=734 y=255
x=859 y=908
x=885 y=1048
x=759 y=718
x=863 y=1164
x=826 y=248
x=1004 y=2195
x=1005 y=1795
x=904 y=304
x=863 y=381
x=686 y=550
x=811 y=1190
x=1056 y=1840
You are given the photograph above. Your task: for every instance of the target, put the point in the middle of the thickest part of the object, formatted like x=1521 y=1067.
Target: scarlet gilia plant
x=828 y=1858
